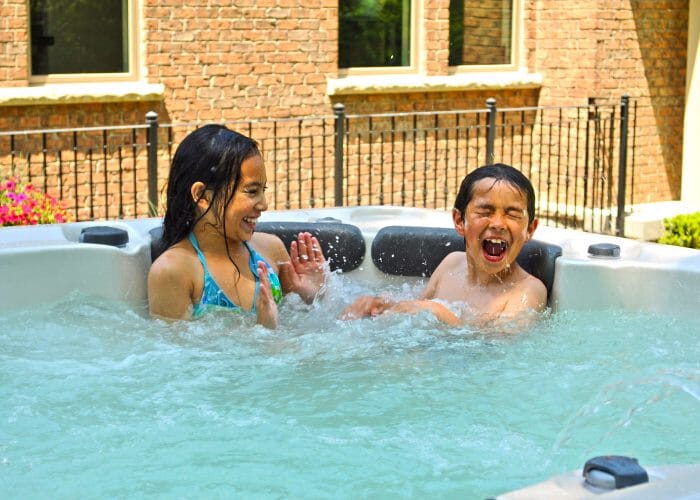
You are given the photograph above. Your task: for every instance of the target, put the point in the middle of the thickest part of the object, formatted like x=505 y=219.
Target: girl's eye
x=254 y=191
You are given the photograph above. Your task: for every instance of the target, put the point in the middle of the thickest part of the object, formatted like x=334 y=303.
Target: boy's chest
x=478 y=298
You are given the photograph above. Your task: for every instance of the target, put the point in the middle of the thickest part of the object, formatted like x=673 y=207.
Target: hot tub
x=102 y=400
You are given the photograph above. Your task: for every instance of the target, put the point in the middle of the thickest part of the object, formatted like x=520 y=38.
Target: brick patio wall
x=273 y=58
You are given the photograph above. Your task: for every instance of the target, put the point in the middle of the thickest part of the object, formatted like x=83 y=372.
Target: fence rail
x=576 y=157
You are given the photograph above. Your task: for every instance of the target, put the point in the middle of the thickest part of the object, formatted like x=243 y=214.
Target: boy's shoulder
x=451 y=263
x=535 y=291
x=454 y=259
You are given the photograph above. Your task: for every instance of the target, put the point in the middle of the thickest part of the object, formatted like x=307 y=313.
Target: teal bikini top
x=213 y=295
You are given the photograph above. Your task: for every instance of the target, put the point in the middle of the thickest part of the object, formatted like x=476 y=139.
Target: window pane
x=374 y=33
x=480 y=32
x=79 y=36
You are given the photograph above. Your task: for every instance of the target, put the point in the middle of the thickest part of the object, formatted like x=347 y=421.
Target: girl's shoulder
x=270 y=246
x=174 y=279
x=266 y=239
x=177 y=261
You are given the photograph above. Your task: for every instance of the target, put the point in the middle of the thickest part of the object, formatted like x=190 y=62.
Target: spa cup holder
x=613 y=472
x=104 y=235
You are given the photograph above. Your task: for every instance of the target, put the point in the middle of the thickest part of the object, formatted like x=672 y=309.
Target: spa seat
x=416 y=251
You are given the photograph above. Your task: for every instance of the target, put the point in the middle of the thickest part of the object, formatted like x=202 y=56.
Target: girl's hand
x=265 y=306
x=305 y=273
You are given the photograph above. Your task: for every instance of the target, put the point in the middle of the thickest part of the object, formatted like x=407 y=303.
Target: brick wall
x=252 y=59
x=606 y=48
x=14 y=39
x=483 y=33
x=436 y=28
x=272 y=59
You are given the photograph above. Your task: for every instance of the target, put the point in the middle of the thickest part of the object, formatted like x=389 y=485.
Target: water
x=99 y=400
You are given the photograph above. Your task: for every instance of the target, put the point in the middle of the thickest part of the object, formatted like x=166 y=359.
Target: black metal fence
x=580 y=160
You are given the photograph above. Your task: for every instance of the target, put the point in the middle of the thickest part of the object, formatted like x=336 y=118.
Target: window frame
x=416 y=48
x=515 y=46
x=133 y=38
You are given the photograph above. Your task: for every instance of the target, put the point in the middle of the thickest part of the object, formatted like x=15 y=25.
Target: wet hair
x=213 y=155
x=499 y=172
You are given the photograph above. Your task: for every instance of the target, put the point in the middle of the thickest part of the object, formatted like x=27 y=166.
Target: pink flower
x=22 y=204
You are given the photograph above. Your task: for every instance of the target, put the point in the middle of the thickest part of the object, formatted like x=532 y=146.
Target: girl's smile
x=249 y=200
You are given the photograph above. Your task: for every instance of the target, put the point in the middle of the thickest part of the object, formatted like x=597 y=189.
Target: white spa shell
x=42 y=263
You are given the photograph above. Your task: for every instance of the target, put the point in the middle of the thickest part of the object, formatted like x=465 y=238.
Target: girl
x=213 y=256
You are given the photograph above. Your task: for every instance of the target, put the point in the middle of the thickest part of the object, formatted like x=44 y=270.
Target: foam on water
x=101 y=400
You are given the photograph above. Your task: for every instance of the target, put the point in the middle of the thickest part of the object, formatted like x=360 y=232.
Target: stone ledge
x=75 y=93
x=384 y=84
x=646 y=221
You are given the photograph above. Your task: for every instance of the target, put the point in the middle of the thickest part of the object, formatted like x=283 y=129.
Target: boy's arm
x=438 y=310
x=375 y=305
x=367 y=305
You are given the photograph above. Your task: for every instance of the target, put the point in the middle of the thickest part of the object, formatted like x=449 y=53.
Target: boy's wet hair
x=213 y=155
x=498 y=172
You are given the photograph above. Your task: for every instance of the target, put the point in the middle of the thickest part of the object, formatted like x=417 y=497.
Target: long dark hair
x=213 y=155
x=497 y=172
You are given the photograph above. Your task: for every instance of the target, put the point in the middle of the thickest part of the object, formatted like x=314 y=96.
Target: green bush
x=682 y=230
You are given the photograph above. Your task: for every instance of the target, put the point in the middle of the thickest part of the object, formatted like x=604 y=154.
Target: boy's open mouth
x=494 y=247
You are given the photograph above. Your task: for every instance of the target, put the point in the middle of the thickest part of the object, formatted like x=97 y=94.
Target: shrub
x=23 y=204
x=682 y=230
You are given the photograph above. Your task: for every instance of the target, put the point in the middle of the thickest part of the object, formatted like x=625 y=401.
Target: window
x=374 y=33
x=481 y=32
x=82 y=38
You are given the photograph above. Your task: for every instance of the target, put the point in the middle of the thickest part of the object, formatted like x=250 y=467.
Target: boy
x=495 y=213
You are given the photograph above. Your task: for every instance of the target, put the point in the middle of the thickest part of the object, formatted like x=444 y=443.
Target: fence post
x=339 y=111
x=490 y=130
x=152 y=122
x=622 y=176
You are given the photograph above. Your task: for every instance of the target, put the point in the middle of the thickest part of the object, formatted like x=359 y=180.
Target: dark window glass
x=374 y=33
x=79 y=36
x=481 y=32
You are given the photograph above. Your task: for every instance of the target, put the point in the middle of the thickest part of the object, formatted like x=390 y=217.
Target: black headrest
x=157 y=246
x=417 y=251
x=343 y=244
